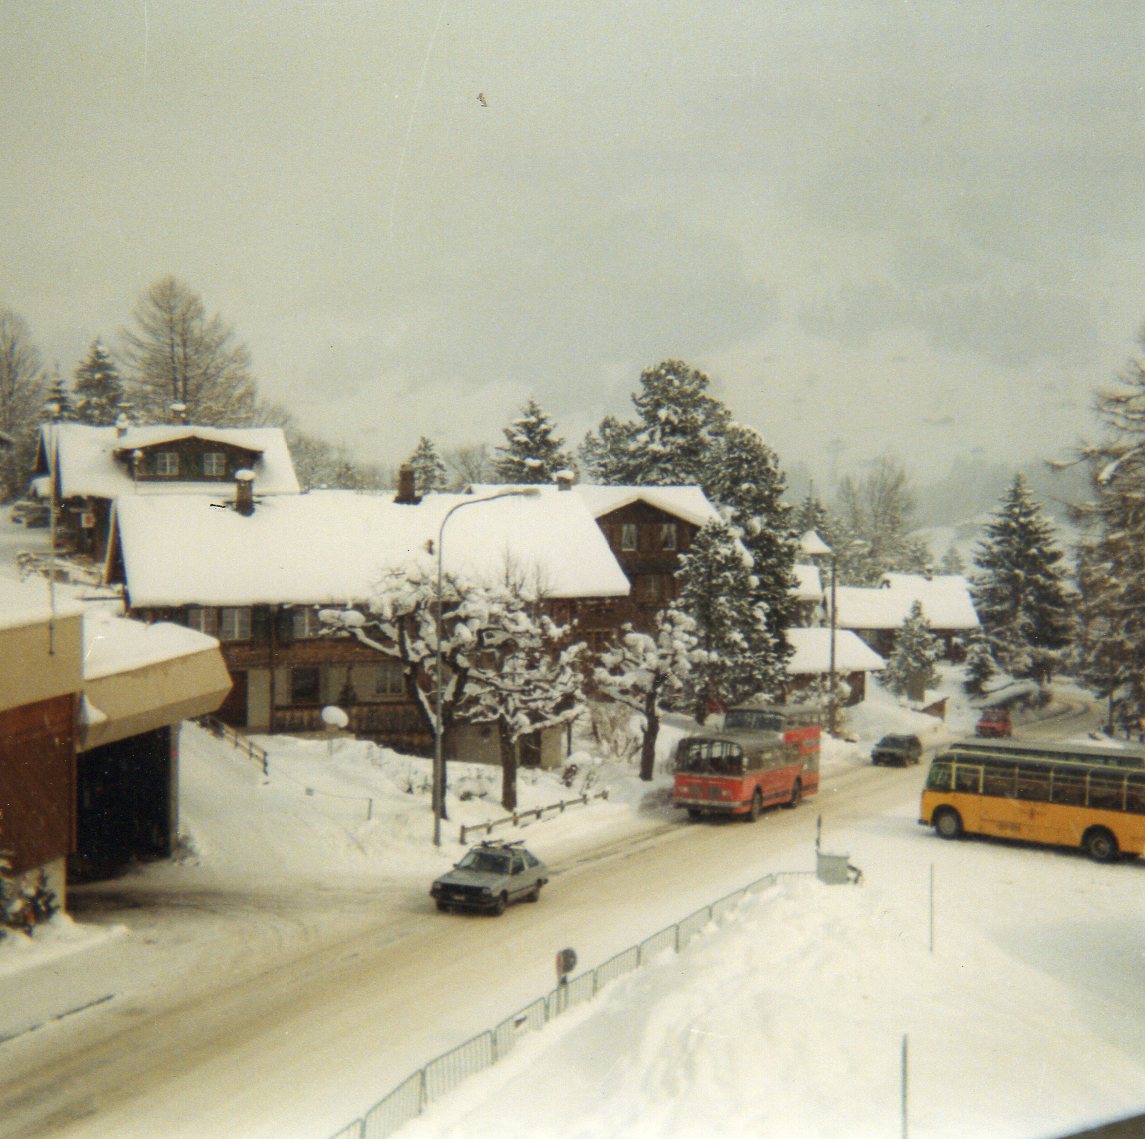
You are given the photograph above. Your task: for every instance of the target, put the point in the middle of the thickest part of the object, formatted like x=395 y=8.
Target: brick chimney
x=407 y=495
x=244 y=492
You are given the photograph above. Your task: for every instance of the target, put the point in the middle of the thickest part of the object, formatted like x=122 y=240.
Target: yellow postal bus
x=1061 y=800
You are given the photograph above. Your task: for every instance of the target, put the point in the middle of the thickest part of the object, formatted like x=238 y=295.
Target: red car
x=994 y=723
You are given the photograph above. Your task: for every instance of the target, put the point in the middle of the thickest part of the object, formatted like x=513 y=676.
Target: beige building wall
x=42 y=657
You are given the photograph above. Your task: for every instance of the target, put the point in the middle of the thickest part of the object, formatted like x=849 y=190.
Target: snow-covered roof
x=88 y=465
x=813 y=653
x=688 y=503
x=24 y=603
x=809 y=586
x=330 y=547
x=685 y=502
x=114 y=644
x=945 y=599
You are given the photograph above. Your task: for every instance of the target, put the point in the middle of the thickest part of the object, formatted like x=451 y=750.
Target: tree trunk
x=651 y=731
x=508 y=747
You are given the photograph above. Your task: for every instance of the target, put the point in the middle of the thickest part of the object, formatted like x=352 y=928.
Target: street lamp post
x=438 y=727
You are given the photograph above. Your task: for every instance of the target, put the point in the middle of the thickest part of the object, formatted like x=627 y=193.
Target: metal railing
x=516 y=817
x=224 y=731
x=440 y=1076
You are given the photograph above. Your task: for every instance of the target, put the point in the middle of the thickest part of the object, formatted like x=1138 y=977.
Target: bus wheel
x=948 y=823
x=1100 y=845
x=796 y=794
x=756 y=807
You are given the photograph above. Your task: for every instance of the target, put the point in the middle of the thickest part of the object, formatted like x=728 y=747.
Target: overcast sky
x=913 y=228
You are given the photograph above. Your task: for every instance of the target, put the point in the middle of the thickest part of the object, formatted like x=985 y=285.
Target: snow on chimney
x=179 y=412
x=407 y=495
x=565 y=479
x=244 y=492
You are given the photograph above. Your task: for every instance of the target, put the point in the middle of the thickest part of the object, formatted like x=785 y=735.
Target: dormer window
x=167 y=464
x=214 y=465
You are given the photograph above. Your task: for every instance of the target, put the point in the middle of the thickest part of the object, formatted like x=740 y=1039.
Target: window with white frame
x=388 y=679
x=215 y=464
x=204 y=619
x=304 y=622
x=166 y=464
x=628 y=536
x=234 y=623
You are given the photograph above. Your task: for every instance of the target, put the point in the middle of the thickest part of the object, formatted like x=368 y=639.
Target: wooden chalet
x=85 y=468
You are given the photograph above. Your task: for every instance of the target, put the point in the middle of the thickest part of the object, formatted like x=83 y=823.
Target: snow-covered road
x=275 y=1042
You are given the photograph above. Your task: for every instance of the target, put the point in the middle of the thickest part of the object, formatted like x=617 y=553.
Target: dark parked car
x=900 y=750
x=994 y=723
x=30 y=512
x=489 y=877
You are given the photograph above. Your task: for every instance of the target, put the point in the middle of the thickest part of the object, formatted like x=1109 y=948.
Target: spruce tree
x=98 y=387
x=979 y=668
x=744 y=478
x=60 y=405
x=1020 y=588
x=911 y=669
x=670 y=441
x=718 y=591
x=533 y=452
x=429 y=474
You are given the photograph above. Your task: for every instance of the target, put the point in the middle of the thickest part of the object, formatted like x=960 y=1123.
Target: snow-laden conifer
x=98 y=387
x=911 y=669
x=429 y=474
x=718 y=591
x=1020 y=589
x=533 y=453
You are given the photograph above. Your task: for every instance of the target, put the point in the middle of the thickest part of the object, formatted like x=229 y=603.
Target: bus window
x=1033 y=784
x=999 y=781
x=1068 y=788
x=1105 y=791
x=752 y=720
x=1135 y=796
x=967 y=778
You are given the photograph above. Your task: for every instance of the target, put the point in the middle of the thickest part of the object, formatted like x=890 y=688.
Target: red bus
x=764 y=754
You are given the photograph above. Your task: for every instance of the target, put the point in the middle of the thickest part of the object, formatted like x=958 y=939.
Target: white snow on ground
x=1026 y=1019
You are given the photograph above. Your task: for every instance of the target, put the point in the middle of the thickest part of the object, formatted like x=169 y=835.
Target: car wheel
x=1100 y=845
x=501 y=903
x=796 y=794
x=533 y=895
x=756 y=808
x=442 y=907
x=947 y=823
x=695 y=813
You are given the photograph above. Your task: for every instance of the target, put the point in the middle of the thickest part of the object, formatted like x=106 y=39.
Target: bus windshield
x=712 y=757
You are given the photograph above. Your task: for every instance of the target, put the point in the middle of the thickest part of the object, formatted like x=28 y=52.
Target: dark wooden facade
x=285 y=672
x=37 y=782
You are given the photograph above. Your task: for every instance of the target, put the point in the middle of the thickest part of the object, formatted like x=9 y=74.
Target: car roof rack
x=501 y=842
